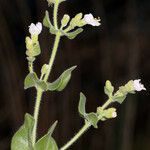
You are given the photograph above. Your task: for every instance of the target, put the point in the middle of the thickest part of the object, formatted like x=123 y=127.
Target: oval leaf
x=22 y=138
x=81 y=106
x=62 y=81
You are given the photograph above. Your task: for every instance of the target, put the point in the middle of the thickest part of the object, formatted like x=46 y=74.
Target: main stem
x=86 y=126
x=39 y=90
x=50 y=65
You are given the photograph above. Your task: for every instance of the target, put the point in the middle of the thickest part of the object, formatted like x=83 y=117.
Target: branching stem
x=85 y=127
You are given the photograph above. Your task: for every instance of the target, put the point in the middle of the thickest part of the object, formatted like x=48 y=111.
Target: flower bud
x=110 y=113
x=65 y=20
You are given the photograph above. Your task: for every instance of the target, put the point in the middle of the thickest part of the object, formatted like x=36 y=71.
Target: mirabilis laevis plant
x=26 y=137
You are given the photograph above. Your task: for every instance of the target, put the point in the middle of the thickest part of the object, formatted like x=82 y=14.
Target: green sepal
x=30 y=80
x=81 y=106
x=93 y=119
x=62 y=81
x=72 y=35
x=129 y=87
x=47 y=142
x=22 y=138
x=76 y=21
x=119 y=97
x=33 y=47
x=108 y=89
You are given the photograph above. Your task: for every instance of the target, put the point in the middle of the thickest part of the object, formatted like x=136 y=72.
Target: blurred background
x=118 y=50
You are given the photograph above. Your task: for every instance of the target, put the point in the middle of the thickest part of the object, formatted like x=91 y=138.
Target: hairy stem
x=55 y=12
x=85 y=127
x=50 y=65
x=36 y=113
x=39 y=91
x=77 y=136
x=53 y=55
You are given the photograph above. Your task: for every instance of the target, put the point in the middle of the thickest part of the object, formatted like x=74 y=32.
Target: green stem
x=77 y=136
x=53 y=55
x=51 y=62
x=39 y=91
x=56 y=4
x=36 y=113
x=108 y=102
x=82 y=130
x=30 y=64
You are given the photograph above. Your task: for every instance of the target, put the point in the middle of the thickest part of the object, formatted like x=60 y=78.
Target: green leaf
x=47 y=23
x=47 y=142
x=22 y=138
x=42 y=85
x=108 y=89
x=30 y=80
x=52 y=128
x=81 y=106
x=93 y=118
x=119 y=97
x=72 y=35
x=62 y=81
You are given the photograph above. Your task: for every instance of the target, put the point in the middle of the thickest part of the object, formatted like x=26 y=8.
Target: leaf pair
x=32 y=81
x=90 y=117
x=22 y=138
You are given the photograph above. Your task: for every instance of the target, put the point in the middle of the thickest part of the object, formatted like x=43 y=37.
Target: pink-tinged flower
x=35 y=29
x=89 y=19
x=138 y=86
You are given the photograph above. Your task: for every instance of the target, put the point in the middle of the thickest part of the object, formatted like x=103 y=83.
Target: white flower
x=114 y=115
x=138 y=86
x=89 y=19
x=35 y=29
